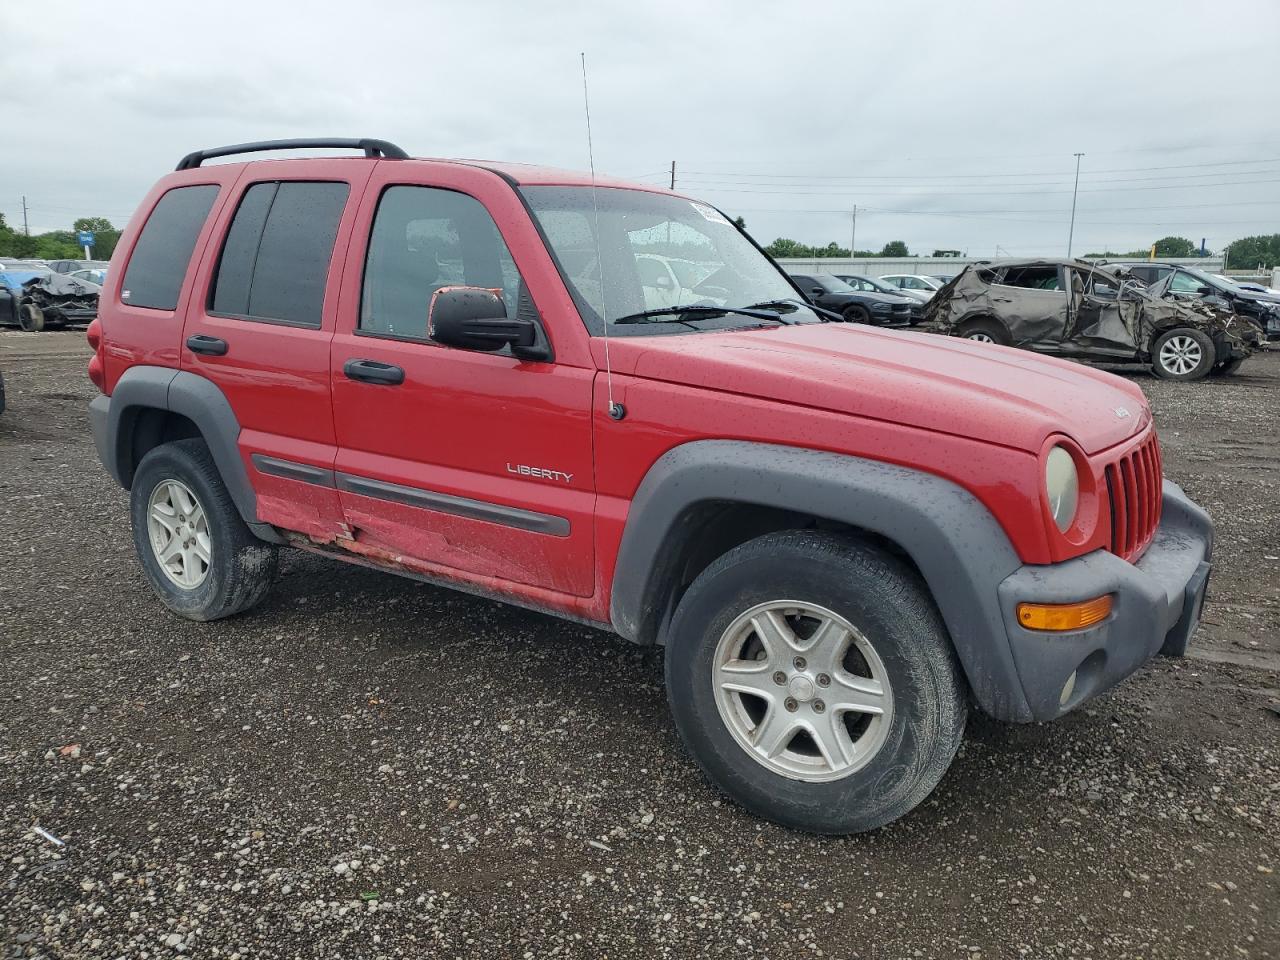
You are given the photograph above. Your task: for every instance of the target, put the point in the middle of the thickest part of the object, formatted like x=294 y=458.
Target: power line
x=974 y=176
x=1044 y=183
x=983 y=193
x=1165 y=148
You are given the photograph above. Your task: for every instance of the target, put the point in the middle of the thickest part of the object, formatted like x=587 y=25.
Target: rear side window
x=1033 y=278
x=275 y=260
x=162 y=254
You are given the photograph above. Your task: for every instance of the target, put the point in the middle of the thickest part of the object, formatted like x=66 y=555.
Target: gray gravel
x=367 y=767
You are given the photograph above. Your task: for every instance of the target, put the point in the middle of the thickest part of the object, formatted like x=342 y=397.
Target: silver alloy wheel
x=1180 y=355
x=178 y=529
x=979 y=336
x=802 y=690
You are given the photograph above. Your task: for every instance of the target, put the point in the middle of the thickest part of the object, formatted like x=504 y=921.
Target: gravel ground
x=368 y=767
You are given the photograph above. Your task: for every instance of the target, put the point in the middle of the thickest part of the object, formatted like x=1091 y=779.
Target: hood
x=994 y=394
x=1257 y=296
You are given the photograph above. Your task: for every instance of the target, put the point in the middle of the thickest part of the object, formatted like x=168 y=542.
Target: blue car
x=11 y=280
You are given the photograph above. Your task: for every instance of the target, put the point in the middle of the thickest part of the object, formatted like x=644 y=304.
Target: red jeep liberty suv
x=604 y=401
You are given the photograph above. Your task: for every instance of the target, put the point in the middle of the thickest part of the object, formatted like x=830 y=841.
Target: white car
x=913 y=282
x=666 y=281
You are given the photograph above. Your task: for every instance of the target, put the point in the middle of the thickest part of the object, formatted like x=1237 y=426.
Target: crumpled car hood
x=977 y=390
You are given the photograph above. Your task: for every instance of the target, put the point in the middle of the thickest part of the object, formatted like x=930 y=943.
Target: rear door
x=1032 y=303
x=260 y=324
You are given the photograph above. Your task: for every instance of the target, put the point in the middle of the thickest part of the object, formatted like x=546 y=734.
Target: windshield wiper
x=826 y=315
x=706 y=310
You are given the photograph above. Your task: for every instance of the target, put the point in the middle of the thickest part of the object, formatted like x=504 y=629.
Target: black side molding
x=458 y=506
x=414 y=496
x=292 y=470
x=372 y=148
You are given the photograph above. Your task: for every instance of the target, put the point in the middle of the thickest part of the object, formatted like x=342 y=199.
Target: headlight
x=1062 y=484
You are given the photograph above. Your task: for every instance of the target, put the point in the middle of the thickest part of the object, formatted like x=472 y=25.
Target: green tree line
x=59 y=244
x=784 y=247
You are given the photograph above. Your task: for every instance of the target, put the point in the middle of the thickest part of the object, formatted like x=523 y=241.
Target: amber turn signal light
x=1064 y=616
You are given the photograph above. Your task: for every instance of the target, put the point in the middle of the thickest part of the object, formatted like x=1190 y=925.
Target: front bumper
x=1156 y=608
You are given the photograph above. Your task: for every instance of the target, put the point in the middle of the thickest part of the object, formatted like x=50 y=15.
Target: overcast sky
x=947 y=124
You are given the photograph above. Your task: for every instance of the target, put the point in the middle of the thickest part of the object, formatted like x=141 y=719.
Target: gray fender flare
x=194 y=397
x=958 y=546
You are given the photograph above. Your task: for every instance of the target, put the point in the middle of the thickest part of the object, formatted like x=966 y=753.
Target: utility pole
x=1071 y=233
x=853 y=233
x=26 y=228
x=673 y=174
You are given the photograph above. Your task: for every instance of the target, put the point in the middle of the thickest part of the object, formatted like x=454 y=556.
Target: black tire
x=890 y=605
x=241 y=567
x=985 y=330
x=1227 y=367
x=856 y=314
x=1168 y=366
x=31 y=318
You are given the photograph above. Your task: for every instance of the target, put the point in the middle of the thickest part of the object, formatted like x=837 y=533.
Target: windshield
x=1204 y=280
x=658 y=251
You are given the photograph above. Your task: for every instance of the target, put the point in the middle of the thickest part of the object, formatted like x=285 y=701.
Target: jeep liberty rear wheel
x=812 y=680
x=1182 y=353
x=985 y=331
x=200 y=557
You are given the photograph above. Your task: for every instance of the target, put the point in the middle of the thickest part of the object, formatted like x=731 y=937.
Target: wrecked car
x=54 y=300
x=1169 y=281
x=1074 y=309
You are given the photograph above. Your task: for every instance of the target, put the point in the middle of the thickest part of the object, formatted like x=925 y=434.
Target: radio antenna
x=616 y=410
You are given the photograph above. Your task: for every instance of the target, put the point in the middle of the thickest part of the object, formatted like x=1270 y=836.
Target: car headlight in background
x=1062 y=484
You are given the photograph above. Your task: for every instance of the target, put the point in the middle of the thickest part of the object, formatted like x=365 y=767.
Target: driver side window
x=423 y=239
x=1184 y=283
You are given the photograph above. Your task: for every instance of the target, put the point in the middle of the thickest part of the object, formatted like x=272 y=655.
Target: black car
x=876 y=285
x=856 y=306
x=1174 y=282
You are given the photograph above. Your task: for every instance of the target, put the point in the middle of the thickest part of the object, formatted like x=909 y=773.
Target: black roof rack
x=371 y=148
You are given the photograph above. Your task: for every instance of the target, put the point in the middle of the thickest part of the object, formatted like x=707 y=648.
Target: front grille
x=1134 y=483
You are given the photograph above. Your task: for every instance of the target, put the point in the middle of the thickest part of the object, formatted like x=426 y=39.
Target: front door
x=469 y=463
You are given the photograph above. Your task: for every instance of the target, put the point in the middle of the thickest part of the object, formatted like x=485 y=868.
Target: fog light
x=1064 y=616
x=1068 y=689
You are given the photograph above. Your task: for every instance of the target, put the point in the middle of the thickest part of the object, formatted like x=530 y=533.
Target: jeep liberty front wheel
x=200 y=557
x=812 y=680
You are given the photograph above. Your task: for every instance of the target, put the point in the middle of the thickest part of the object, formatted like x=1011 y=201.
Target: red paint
x=537 y=437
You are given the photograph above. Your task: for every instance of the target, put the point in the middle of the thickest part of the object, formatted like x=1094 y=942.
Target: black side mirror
x=475 y=318
x=1204 y=291
x=817 y=291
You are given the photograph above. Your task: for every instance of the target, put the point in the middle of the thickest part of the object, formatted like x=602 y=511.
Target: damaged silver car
x=55 y=300
x=1075 y=309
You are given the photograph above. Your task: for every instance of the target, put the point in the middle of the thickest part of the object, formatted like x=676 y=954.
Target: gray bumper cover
x=1156 y=608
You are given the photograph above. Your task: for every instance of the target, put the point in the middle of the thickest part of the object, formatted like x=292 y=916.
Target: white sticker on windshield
x=709 y=213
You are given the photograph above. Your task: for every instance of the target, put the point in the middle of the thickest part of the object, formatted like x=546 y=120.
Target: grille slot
x=1134 y=482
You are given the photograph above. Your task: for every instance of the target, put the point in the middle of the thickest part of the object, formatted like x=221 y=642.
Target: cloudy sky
x=948 y=124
